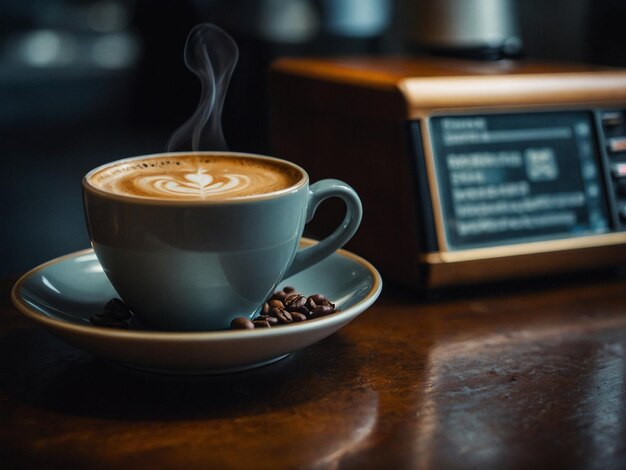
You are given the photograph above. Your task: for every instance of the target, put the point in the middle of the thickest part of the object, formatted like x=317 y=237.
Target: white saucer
x=61 y=295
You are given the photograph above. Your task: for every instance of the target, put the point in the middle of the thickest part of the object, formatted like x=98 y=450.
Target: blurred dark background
x=83 y=82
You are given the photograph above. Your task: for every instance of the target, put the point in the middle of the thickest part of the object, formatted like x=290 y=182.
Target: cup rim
x=88 y=186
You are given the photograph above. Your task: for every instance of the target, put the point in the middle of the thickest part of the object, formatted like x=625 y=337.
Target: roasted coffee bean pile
x=284 y=307
x=115 y=314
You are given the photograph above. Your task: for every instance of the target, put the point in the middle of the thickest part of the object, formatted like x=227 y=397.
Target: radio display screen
x=515 y=178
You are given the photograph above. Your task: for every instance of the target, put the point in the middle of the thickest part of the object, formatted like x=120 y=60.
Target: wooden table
x=510 y=377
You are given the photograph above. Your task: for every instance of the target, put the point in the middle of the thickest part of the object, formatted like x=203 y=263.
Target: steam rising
x=211 y=54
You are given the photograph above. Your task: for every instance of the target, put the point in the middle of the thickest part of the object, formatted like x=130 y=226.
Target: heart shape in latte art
x=199 y=184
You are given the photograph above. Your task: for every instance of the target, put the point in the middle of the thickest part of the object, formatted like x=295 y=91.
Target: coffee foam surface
x=195 y=177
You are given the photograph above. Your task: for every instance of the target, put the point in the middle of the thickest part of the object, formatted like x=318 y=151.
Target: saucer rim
x=175 y=336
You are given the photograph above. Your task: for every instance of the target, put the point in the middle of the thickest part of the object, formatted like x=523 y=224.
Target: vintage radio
x=468 y=171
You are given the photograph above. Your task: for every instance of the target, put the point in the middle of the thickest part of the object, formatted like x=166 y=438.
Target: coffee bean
x=322 y=310
x=294 y=302
x=261 y=324
x=115 y=304
x=114 y=314
x=287 y=306
x=298 y=317
x=281 y=314
x=317 y=298
x=268 y=318
x=242 y=323
x=303 y=311
x=116 y=309
x=279 y=295
x=276 y=304
x=326 y=303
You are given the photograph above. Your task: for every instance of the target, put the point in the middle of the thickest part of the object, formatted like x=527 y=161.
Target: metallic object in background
x=63 y=61
x=357 y=18
x=479 y=29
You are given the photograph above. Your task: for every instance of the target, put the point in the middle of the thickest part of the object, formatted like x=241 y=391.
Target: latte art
x=199 y=184
x=196 y=177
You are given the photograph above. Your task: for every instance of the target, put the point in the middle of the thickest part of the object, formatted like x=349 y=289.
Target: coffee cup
x=192 y=240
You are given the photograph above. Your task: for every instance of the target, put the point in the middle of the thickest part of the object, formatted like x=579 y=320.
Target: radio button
x=619 y=170
x=611 y=118
x=617 y=144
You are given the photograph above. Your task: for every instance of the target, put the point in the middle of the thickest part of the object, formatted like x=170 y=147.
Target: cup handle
x=318 y=192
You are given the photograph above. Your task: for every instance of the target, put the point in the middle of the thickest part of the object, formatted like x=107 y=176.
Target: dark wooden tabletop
x=503 y=377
